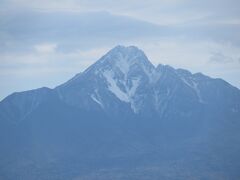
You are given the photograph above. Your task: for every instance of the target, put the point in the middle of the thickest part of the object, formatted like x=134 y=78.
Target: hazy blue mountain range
x=123 y=118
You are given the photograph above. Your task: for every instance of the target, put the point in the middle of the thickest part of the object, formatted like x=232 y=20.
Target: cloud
x=45 y=48
x=156 y=11
x=74 y=30
x=69 y=30
x=218 y=57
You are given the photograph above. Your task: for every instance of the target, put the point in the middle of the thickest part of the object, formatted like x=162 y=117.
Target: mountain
x=123 y=118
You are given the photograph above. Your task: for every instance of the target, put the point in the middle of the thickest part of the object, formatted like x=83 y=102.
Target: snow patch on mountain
x=96 y=98
x=113 y=87
x=127 y=92
x=193 y=85
x=123 y=64
x=132 y=90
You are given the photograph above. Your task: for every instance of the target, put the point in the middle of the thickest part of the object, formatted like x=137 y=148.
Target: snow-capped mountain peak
x=125 y=77
x=123 y=70
x=122 y=59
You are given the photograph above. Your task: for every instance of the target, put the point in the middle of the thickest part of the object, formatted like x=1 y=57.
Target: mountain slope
x=123 y=118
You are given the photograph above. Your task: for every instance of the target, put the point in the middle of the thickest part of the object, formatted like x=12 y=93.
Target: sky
x=44 y=43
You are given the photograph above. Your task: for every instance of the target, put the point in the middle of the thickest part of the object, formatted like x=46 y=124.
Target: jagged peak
x=129 y=54
x=126 y=50
x=122 y=57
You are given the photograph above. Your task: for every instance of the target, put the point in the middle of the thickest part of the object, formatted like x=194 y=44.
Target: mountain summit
x=119 y=75
x=123 y=117
x=122 y=60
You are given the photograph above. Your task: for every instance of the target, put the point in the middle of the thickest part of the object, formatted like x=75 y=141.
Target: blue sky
x=44 y=43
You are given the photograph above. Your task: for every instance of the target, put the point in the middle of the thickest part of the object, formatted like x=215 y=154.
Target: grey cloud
x=218 y=57
x=21 y=30
x=149 y=10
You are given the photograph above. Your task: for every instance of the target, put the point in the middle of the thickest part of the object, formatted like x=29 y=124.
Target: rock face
x=123 y=118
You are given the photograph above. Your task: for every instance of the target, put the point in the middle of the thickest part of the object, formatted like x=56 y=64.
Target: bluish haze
x=45 y=43
x=123 y=119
